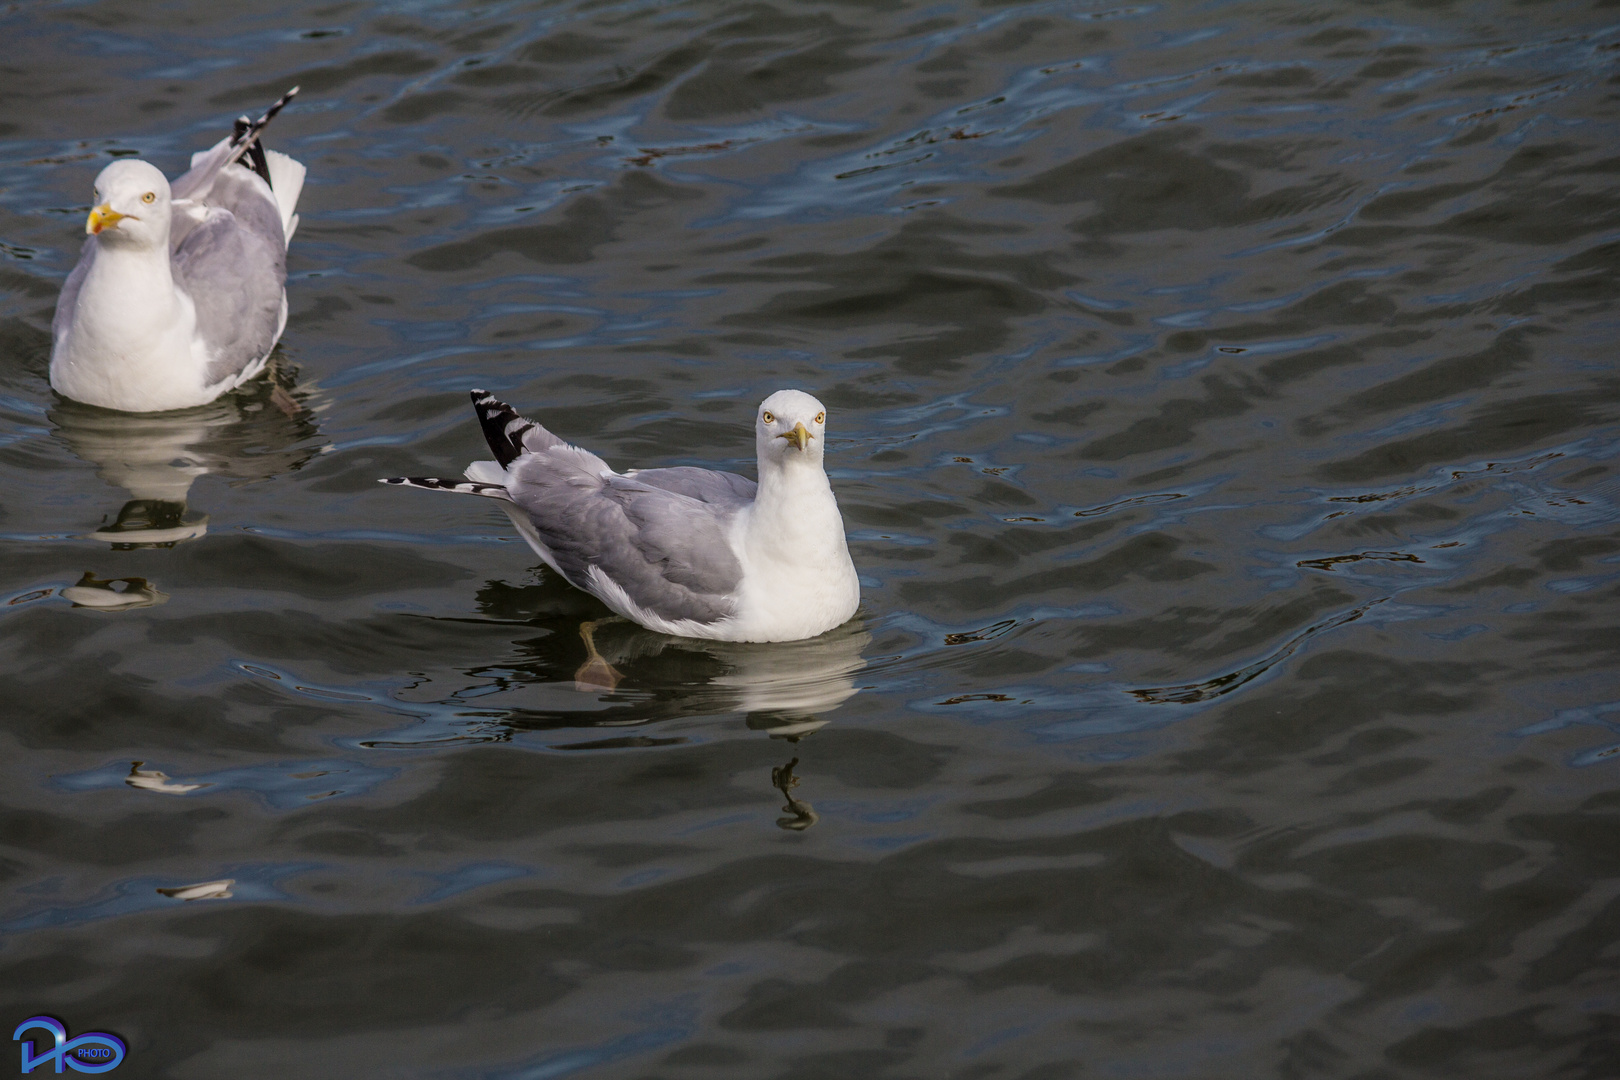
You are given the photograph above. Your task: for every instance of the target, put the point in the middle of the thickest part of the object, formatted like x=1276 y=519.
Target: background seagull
x=683 y=551
x=179 y=293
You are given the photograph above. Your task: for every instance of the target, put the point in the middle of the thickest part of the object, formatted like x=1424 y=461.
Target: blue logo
x=92 y=1052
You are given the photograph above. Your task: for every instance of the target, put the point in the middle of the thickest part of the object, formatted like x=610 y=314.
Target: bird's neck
x=133 y=289
x=794 y=512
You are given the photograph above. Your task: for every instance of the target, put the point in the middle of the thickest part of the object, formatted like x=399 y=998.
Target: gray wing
x=510 y=435
x=233 y=266
x=668 y=551
x=720 y=489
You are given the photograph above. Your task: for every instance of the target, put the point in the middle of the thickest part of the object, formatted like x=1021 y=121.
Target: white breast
x=130 y=345
x=798 y=580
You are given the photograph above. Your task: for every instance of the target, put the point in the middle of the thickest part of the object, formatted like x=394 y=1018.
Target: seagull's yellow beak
x=800 y=435
x=103 y=217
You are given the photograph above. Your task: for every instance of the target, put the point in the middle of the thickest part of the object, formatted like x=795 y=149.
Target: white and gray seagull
x=179 y=294
x=683 y=551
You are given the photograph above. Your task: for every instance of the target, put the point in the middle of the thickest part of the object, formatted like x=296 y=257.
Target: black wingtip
x=463 y=487
x=246 y=132
x=280 y=103
x=502 y=426
x=261 y=164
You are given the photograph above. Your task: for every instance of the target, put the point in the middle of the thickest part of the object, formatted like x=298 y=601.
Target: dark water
x=1224 y=414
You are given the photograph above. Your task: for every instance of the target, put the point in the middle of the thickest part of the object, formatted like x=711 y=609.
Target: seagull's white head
x=131 y=205
x=790 y=428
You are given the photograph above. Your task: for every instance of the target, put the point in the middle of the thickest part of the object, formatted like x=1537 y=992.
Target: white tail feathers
x=286 y=183
x=486 y=472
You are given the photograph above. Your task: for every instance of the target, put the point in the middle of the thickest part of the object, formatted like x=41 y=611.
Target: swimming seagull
x=682 y=551
x=178 y=295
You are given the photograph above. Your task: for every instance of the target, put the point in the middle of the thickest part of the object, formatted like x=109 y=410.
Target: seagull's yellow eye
x=821 y=418
x=768 y=418
x=150 y=196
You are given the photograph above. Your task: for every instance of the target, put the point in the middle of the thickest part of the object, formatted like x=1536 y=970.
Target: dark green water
x=1223 y=408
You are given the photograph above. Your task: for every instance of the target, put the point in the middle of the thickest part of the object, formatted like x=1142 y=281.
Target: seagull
x=178 y=295
x=683 y=551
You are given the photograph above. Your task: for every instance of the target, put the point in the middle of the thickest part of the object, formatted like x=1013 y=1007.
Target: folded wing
x=669 y=554
x=232 y=265
x=655 y=542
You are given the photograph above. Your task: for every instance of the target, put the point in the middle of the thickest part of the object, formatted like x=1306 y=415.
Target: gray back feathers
x=668 y=552
x=230 y=250
x=660 y=535
x=232 y=264
x=719 y=489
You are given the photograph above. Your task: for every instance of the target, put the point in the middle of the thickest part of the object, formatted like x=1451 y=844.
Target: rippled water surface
x=1223 y=413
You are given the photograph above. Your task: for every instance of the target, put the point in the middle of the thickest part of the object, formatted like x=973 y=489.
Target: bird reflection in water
x=799 y=814
x=113 y=594
x=157 y=780
x=202 y=890
x=632 y=677
x=258 y=432
x=783 y=687
x=780 y=685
